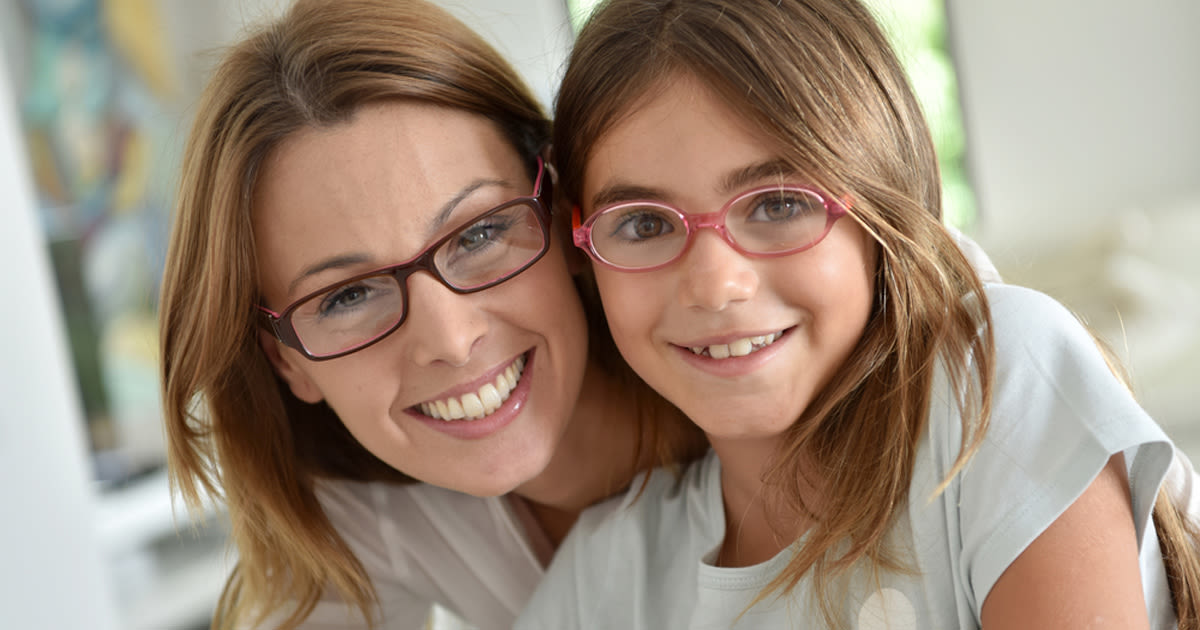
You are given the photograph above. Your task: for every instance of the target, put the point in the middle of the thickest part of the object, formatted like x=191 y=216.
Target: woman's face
x=338 y=201
x=741 y=344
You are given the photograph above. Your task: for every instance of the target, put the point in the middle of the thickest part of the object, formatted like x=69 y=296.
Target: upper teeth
x=739 y=348
x=481 y=402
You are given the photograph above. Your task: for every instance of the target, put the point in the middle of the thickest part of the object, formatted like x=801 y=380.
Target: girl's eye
x=784 y=205
x=643 y=224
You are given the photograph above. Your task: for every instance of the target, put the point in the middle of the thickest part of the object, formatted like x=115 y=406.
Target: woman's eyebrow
x=447 y=209
x=333 y=262
x=443 y=215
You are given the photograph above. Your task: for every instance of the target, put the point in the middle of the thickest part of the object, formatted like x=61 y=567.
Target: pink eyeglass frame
x=581 y=232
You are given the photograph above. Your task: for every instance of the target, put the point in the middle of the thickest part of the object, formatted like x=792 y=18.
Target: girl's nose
x=442 y=326
x=715 y=275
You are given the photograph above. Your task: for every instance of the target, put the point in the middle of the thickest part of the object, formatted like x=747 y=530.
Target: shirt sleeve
x=354 y=511
x=1058 y=415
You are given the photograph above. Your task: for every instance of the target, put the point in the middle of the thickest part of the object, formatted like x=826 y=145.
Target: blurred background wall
x=1068 y=132
x=1082 y=123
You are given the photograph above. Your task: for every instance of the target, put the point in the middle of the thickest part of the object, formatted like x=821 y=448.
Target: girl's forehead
x=682 y=134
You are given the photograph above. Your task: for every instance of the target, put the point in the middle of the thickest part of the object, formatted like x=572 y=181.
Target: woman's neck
x=594 y=459
x=758 y=524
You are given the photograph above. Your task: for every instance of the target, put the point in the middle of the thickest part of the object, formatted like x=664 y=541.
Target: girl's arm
x=1082 y=572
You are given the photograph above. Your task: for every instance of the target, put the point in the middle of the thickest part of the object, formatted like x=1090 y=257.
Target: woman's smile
x=479 y=400
x=473 y=391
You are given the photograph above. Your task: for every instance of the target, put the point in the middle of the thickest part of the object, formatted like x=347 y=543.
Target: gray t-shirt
x=1058 y=415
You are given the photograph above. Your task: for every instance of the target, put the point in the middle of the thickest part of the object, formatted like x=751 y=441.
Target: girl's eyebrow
x=617 y=193
x=731 y=183
x=742 y=177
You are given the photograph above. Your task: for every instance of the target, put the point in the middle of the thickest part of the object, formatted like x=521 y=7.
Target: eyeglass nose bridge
x=711 y=220
x=425 y=262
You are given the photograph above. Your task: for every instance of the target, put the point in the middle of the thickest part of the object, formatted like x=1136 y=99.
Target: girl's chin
x=742 y=425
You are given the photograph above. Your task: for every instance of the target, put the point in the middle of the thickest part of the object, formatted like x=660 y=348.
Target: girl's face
x=343 y=200
x=798 y=316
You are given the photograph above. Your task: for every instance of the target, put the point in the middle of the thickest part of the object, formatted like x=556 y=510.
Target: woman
x=365 y=288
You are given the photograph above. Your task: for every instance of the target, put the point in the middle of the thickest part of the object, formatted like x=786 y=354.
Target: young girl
x=365 y=288
x=895 y=444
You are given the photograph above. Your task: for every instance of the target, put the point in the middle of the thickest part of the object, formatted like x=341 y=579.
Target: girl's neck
x=593 y=460
x=758 y=525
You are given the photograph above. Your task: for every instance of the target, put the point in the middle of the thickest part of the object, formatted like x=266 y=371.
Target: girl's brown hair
x=820 y=77
x=235 y=432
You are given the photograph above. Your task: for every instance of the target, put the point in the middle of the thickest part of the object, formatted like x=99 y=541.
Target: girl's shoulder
x=1020 y=314
x=1053 y=375
x=1058 y=413
x=1040 y=343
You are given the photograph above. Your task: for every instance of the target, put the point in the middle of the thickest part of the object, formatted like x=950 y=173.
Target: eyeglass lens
x=487 y=251
x=764 y=221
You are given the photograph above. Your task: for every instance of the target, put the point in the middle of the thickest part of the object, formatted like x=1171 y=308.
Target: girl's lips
x=731 y=362
x=734 y=345
x=729 y=337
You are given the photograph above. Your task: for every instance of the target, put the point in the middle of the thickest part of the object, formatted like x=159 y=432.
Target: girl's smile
x=740 y=343
x=742 y=356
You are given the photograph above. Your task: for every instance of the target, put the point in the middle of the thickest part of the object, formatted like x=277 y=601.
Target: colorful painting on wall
x=96 y=119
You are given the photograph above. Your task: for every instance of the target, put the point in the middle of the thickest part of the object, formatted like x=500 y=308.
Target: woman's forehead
x=377 y=187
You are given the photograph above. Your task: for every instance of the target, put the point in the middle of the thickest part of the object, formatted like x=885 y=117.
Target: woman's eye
x=343 y=299
x=481 y=234
x=356 y=298
x=640 y=226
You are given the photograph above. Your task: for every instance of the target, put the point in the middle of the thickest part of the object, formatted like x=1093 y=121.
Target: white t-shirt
x=422 y=545
x=1058 y=416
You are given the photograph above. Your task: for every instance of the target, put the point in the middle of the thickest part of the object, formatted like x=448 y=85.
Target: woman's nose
x=441 y=326
x=715 y=275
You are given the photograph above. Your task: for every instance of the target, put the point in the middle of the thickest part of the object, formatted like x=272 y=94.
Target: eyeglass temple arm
x=273 y=320
x=578 y=232
x=537 y=185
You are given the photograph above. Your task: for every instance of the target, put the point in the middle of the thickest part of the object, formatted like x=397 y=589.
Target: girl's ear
x=286 y=367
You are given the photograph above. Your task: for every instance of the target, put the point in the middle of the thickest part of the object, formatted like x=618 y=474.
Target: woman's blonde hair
x=235 y=432
x=820 y=77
